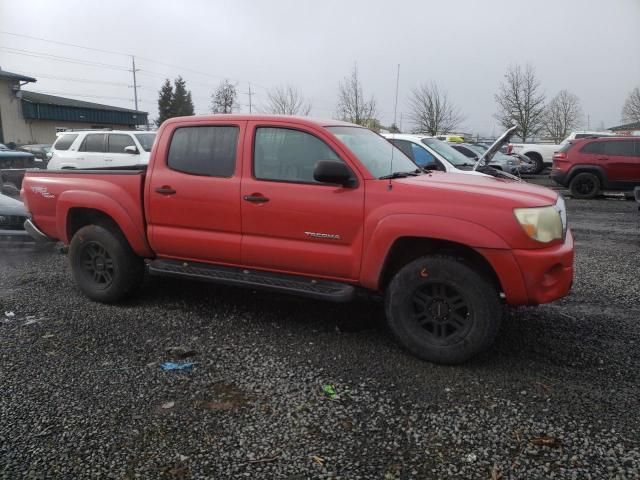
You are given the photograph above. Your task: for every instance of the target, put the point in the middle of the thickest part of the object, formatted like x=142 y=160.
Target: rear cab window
x=64 y=141
x=205 y=151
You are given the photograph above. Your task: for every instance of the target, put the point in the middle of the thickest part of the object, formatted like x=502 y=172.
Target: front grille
x=12 y=222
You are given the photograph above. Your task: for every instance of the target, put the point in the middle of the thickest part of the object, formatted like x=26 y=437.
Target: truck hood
x=510 y=193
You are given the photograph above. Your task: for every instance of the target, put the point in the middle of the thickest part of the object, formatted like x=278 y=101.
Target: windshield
x=450 y=154
x=146 y=140
x=373 y=151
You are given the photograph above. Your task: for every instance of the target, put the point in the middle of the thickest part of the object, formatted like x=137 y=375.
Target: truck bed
x=114 y=192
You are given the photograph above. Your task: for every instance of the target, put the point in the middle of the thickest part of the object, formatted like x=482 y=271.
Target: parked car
x=313 y=208
x=12 y=165
x=542 y=153
x=526 y=165
x=42 y=153
x=13 y=215
x=100 y=149
x=590 y=165
x=500 y=161
x=431 y=153
x=15 y=159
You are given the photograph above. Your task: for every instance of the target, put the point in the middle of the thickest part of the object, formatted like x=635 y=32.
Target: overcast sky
x=590 y=47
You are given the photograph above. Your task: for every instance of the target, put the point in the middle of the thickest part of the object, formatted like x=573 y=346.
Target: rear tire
x=538 y=163
x=104 y=266
x=585 y=185
x=441 y=310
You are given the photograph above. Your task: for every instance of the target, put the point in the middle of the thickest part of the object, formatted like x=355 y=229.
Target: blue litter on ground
x=177 y=366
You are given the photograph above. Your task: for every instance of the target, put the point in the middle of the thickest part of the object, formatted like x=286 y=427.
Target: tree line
x=520 y=101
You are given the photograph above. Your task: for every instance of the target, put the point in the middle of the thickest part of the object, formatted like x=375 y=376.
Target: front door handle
x=165 y=190
x=256 y=198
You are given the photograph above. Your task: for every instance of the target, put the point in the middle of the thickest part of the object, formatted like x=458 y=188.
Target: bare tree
x=562 y=114
x=431 y=110
x=521 y=102
x=352 y=106
x=287 y=100
x=224 y=98
x=631 y=109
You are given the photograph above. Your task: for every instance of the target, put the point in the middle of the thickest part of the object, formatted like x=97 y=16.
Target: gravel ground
x=83 y=394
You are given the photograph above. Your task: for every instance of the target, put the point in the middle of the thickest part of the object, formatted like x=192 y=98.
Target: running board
x=296 y=285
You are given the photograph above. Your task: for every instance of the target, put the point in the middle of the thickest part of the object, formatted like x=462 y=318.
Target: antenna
x=395 y=114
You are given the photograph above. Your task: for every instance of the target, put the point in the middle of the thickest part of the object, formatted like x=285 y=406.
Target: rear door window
x=65 y=141
x=93 y=142
x=207 y=151
x=593 y=147
x=623 y=148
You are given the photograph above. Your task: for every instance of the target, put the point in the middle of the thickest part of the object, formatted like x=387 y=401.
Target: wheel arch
x=407 y=249
x=594 y=169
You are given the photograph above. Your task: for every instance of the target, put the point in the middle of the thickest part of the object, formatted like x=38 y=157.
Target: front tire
x=441 y=310
x=585 y=185
x=104 y=266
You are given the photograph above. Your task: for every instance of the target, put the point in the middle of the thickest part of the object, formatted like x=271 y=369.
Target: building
x=30 y=117
x=632 y=128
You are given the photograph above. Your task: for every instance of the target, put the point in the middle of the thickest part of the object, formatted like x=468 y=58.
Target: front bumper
x=533 y=277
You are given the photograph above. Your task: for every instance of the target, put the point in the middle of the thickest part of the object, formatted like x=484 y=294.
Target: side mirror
x=131 y=149
x=332 y=171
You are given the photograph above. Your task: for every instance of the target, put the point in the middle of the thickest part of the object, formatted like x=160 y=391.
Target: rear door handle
x=165 y=190
x=256 y=198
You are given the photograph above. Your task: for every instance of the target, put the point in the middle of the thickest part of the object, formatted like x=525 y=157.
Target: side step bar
x=296 y=285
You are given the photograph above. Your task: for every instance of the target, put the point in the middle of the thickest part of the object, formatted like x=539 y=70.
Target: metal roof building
x=33 y=117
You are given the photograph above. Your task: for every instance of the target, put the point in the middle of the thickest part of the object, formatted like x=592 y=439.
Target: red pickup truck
x=317 y=208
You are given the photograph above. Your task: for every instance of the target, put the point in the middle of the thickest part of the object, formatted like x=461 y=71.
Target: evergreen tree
x=165 y=102
x=182 y=103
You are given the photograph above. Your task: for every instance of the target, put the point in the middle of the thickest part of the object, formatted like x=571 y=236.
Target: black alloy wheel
x=442 y=312
x=97 y=265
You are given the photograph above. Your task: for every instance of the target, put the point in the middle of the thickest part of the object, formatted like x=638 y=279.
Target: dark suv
x=589 y=165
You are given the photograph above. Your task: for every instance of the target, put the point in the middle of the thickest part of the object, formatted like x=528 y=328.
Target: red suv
x=590 y=165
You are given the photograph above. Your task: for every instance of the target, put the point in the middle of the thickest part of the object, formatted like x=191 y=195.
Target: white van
x=99 y=149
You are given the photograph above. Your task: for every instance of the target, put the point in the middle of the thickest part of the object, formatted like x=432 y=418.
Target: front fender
x=133 y=229
x=393 y=227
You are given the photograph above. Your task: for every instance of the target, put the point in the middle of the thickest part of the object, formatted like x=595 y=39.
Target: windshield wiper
x=415 y=173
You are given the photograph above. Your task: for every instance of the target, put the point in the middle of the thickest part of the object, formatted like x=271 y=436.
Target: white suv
x=100 y=148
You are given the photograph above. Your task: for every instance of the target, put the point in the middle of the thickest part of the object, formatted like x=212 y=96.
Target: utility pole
x=250 y=95
x=135 y=84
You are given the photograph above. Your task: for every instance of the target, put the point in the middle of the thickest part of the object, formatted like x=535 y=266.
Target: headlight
x=544 y=224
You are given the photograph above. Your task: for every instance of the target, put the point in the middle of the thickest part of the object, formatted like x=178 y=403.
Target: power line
x=59 y=58
x=62 y=43
x=74 y=79
x=181 y=68
x=78 y=95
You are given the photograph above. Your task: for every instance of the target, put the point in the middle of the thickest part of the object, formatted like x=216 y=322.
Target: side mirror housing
x=332 y=171
x=131 y=149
